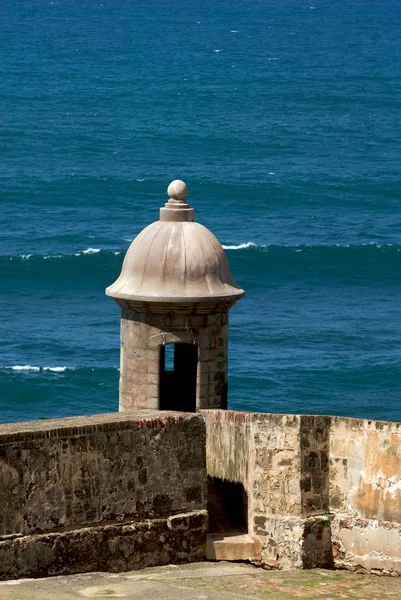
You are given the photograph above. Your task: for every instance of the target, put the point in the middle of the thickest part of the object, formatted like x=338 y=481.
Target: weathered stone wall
x=322 y=491
x=365 y=494
x=282 y=462
x=228 y=444
x=314 y=448
x=107 y=492
x=128 y=490
x=142 y=334
x=290 y=490
x=365 y=472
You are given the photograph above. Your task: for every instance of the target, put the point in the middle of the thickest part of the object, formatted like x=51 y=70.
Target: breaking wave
x=240 y=246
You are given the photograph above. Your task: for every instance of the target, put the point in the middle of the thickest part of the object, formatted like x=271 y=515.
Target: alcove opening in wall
x=177 y=381
x=227 y=505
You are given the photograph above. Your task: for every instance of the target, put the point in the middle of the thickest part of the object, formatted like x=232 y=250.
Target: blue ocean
x=284 y=119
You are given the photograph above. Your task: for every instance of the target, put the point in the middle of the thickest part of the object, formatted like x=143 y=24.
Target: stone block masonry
x=110 y=492
x=143 y=332
x=322 y=491
x=128 y=490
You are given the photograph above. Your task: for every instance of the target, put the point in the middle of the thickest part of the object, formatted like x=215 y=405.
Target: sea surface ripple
x=284 y=119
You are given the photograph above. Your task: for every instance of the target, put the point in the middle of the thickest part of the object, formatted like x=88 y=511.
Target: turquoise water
x=283 y=117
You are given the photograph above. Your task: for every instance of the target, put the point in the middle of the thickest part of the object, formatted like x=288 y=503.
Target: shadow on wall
x=227 y=505
x=177 y=377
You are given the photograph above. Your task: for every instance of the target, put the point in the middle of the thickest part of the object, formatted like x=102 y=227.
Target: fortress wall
x=128 y=490
x=109 y=492
x=282 y=462
x=365 y=470
x=322 y=491
x=365 y=494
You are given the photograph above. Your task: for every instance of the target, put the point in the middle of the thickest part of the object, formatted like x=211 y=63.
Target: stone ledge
x=108 y=422
x=113 y=548
x=230 y=547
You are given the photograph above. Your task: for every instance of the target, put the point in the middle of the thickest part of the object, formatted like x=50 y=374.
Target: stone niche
x=104 y=493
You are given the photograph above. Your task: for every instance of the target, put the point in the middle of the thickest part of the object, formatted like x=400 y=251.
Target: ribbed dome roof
x=175 y=260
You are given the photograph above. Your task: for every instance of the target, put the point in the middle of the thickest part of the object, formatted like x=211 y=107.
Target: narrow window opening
x=169 y=357
x=177 y=381
x=227 y=506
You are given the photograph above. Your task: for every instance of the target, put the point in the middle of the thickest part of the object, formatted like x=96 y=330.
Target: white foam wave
x=21 y=256
x=239 y=246
x=91 y=251
x=301 y=247
x=34 y=369
x=96 y=251
x=88 y=251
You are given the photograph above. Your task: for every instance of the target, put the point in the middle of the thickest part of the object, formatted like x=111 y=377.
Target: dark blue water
x=284 y=119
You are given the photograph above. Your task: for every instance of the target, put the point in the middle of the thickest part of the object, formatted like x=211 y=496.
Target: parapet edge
x=83 y=425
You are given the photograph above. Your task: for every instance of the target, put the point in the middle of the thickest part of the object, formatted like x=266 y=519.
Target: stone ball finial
x=177 y=208
x=177 y=190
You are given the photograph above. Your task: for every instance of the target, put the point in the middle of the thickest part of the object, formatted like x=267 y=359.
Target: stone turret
x=175 y=291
